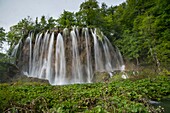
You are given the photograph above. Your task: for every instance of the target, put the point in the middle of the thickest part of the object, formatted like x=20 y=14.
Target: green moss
x=99 y=34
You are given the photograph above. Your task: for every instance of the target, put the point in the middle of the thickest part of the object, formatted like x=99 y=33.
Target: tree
x=144 y=27
x=2 y=36
x=66 y=19
x=43 y=22
x=20 y=30
x=51 y=23
x=90 y=15
x=111 y=25
x=104 y=9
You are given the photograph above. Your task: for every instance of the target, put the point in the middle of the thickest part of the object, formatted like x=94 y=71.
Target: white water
x=88 y=51
x=30 y=53
x=43 y=56
x=76 y=65
x=99 y=63
x=15 y=49
x=49 y=70
x=60 y=65
x=48 y=58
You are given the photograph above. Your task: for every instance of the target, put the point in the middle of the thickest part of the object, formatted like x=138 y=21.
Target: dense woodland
x=140 y=28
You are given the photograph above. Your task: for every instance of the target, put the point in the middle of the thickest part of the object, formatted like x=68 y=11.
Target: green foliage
x=89 y=11
x=125 y=96
x=25 y=26
x=46 y=24
x=2 y=36
x=99 y=34
x=20 y=30
x=144 y=31
x=4 y=58
x=66 y=19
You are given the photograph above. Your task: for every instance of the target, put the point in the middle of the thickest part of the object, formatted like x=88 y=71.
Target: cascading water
x=50 y=68
x=76 y=66
x=15 y=50
x=43 y=56
x=60 y=65
x=71 y=56
x=98 y=56
x=36 y=66
x=112 y=53
x=89 y=63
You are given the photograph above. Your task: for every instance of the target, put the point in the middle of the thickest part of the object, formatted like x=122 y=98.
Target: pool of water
x=165 y=103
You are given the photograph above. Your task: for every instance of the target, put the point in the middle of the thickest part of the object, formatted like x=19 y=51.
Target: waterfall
x=36 y=54
x=30 y=54
x=115 y=55
x=60 y=65
x=15 y=49
x=71 y=56
x=49 y=70
x=88 y=51
x=99 y=63
x=76 y=66
x=43 y=56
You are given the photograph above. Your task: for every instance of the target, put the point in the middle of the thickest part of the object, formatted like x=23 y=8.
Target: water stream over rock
x=67 y=57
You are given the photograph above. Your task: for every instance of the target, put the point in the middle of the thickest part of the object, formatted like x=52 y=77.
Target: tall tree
x=20 y=30
x=66 y=19
x=51 y=23
x=90 y=13
x=2 y=36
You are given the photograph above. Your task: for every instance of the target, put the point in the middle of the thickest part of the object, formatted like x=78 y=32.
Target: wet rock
x=101 y=77
x=7 y=72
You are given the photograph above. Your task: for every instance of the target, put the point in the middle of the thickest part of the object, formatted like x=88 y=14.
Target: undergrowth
x=124 y=96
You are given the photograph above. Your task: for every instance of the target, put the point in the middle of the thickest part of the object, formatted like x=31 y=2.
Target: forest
x=141 y=31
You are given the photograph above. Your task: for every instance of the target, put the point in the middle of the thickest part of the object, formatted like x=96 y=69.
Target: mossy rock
x=99 y=34
x=7 y=72
x=101 y=77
